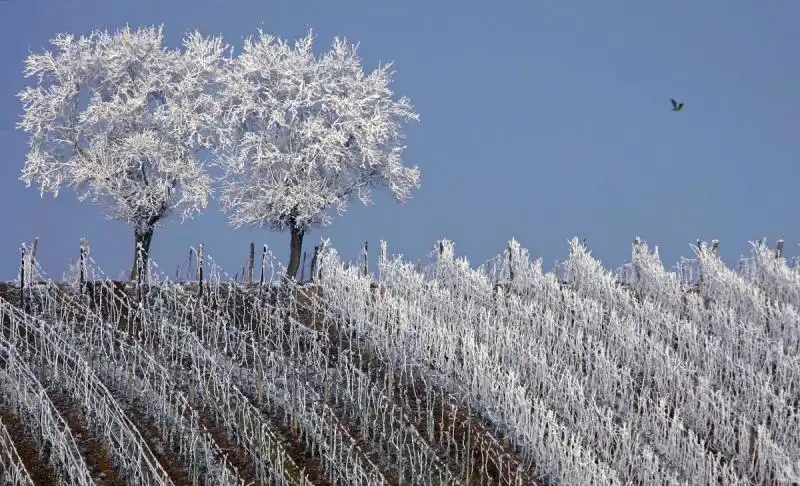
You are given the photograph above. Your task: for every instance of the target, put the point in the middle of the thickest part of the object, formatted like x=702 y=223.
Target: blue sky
x=539 y=121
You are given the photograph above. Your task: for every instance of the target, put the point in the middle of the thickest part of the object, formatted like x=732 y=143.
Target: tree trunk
x=145 y=237
x=296 y=249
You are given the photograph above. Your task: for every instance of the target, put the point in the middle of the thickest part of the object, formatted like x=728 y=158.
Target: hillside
x=442 y=376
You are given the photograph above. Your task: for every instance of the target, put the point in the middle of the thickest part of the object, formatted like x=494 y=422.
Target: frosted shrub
x=771 y=274
x=439 y=375
x=652 y=281
x=450 y=325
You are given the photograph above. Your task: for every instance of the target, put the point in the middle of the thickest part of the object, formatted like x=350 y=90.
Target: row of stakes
x=28 y=262
x=247 y=273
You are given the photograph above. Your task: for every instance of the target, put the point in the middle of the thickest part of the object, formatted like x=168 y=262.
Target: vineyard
x=436 y=374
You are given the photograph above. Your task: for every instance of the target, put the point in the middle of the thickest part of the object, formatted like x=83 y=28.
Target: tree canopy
x=120 y=118
x=305 y=134
x=123 y=120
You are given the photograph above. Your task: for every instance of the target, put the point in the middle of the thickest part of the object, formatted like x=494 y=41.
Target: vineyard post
x=510 y=263
x=714 y=251
x=263 y=262
x=313 y=270
x=82 y=264
x=189 y=268
x=779 y=249
x=200 y=268
x=700 y=278
x=384 y=249
x=365 y=259
x=32 y=259
x=192 y=391
x=22 y=279
x=637 y=245
x=303 y=267
x=140 y=272
x=440 y=257
x=251 y=261
x=467 y=470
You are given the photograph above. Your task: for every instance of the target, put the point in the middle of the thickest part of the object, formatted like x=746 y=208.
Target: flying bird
x=675 y=105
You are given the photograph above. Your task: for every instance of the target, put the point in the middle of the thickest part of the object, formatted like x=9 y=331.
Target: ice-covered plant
x=121 y=119
x=304 y=134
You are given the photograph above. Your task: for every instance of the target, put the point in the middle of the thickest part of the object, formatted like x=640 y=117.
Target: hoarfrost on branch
x=121 y=119
x=304 y=134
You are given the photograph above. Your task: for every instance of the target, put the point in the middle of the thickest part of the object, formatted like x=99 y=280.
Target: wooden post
x=303 y=267
x=263 y=262
x=82 y=263
x=714 y=251
x=700 y=278
x=384 y=251
x=637 y=248
x=32 y=259
x=510 y=263
x=140 y=270
x=139 y=292
x=366 y=267
x=200 y=268
x=313 y=271
x=251 y=262
x=22 y=279
x=779 y=249
x=189 y=268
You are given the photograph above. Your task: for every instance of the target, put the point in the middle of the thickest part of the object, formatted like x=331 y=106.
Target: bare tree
x=120 y=119
x=303 y=134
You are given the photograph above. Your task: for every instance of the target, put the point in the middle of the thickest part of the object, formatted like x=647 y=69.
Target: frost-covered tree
x=120 y=118
x=305 y=134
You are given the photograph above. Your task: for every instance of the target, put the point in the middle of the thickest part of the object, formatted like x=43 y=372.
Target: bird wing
x=674 y=103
